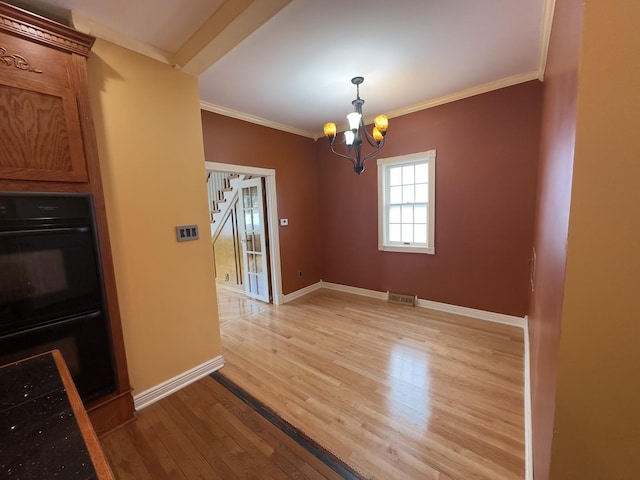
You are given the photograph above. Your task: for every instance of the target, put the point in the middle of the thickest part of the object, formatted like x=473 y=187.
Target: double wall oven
x=51 y=291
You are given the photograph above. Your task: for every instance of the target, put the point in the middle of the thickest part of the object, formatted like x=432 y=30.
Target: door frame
x=269 y=175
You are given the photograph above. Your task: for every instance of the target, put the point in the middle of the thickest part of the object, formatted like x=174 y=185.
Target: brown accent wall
x=227 y=140
x=552 y=220
x=486 y=168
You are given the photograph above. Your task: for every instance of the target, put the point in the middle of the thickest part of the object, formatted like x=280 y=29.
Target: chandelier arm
x=374 y=153
x=370 y=139
x=348 y=157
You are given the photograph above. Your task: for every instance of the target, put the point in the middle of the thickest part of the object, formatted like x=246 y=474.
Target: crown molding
x=95 y=29
x=462 y=94
x=470 y=92
x=545 y=35
x=227 y=112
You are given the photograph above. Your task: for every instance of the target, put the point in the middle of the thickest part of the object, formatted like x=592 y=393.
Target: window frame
x=384 y=166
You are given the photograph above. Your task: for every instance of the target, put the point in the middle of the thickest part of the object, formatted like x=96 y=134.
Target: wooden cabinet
x=47 y=144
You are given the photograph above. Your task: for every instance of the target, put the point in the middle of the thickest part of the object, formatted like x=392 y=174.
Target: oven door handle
x=45 y=230
x=85 y=317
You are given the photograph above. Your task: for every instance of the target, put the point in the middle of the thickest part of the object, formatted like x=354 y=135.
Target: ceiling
x=288 y=63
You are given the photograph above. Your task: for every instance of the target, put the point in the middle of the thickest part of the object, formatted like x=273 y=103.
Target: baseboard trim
x=472 y=312
x=355 y=290
x=301 y=293
x=442 y=307
x=528 y=414
x=152 y=395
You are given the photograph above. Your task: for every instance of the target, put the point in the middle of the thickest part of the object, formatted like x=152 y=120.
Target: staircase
x=222 y=188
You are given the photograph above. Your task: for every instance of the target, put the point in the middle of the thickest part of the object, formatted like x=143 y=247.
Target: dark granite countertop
x=39 y=435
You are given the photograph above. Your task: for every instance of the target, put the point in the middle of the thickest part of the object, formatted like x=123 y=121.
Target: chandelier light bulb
x=382 y=123
x=349 y=137
x=354 y=120
x=330 y=130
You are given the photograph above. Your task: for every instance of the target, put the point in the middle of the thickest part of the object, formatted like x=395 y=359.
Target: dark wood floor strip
x=332 y=461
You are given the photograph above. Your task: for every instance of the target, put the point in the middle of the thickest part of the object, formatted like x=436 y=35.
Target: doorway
x=259 y=240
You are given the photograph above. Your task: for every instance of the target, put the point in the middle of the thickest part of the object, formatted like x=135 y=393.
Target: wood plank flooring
x=397 y=392
x=205 y=432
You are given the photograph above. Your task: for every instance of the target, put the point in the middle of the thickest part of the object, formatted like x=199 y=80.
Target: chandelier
x=356 y=135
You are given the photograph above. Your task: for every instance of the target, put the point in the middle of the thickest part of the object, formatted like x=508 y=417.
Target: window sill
x=407 y=249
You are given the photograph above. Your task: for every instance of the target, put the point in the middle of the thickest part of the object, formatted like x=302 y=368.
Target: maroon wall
x=552 y=220
x=227 y=140
x=487 y=160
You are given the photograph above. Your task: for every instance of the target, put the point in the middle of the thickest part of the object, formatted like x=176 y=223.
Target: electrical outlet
x=226 y=277
x=185 y=233
x=300 y=273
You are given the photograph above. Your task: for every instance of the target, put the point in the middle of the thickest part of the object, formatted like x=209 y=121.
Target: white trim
x=528 y=414
x=545 y=35
x=355 y=290
x=272 y=214
x=384 y=164
x=152 y=395
x=442 y=307
x=302 y=292
x=469 y=92
x=472 y=312
x=227 y=112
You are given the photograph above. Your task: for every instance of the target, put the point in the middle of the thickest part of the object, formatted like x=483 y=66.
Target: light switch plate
x=186 y=233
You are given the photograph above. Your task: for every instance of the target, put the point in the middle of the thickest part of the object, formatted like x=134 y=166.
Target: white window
x=406 y=203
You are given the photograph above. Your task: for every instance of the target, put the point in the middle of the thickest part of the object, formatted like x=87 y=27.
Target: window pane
x=258 y=263
x=422 y=193
x=254 y=197
x=420 y=214
x=394 y=214
x=395 y=195
x=257 y=246
x=395 y=176
x=407 y=175
x=408 y=194
x=394 y=232
x=407 y=214
x=249 y=243
x=256 y=219
x=247 y=220
x=407 y=233
x=420 y=233
x=422 y=173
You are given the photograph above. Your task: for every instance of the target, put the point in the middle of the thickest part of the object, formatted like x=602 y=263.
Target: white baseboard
x=528 y=414
x=355 y=290
x=301 y=293
x=152 y=395
x=443 y=307
x=472 y=312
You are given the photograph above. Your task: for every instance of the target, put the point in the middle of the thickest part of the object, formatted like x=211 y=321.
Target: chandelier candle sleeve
x=356 y=135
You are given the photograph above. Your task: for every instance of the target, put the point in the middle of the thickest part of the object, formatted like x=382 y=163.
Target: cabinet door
x=41 y=137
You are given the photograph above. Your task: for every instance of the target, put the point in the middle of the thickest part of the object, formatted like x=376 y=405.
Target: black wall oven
x=51 y=291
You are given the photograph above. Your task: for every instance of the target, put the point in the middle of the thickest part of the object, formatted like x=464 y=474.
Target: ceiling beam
x=234 y=21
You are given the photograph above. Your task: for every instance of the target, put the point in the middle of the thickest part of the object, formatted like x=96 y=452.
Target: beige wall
x=150 y=139
x=597 y=420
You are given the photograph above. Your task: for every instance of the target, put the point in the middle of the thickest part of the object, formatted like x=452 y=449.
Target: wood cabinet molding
x=49 y=145
x=43 y=30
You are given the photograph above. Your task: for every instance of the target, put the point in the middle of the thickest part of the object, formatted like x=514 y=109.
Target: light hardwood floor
x=397 y=392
